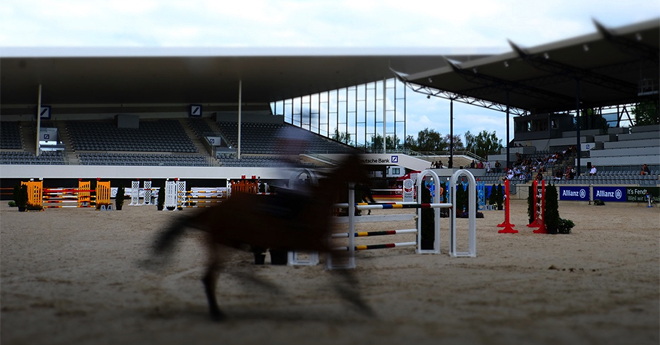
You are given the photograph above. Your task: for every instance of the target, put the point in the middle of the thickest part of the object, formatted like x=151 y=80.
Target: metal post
x=508 y=140
x=384 y=115
x=577 y=109
x=38 y=121
x=240 y=103
x=451 y=133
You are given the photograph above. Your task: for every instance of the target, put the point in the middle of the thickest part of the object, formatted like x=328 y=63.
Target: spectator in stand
x=498 y=167
x=558 y=175
x=593 y=170
x=480 y=165
x=509 y=174
x=487 y=165
x=473 y=164
x=539 y=177
x=516 y=172
x=646 y=170
x=440 y=165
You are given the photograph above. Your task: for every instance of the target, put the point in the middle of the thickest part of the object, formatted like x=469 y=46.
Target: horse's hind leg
x=210 y=280
x=350 y=291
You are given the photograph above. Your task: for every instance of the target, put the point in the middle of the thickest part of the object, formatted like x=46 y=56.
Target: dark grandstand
x=150 y=127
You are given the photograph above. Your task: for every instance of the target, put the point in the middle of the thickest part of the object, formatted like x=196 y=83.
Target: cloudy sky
x=463 y=24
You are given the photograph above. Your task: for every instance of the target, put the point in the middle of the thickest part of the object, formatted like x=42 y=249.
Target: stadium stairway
x=197 y=141
x=71 y=156
x=29 y=136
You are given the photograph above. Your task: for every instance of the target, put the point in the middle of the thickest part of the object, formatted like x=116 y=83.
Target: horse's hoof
x=218 y=316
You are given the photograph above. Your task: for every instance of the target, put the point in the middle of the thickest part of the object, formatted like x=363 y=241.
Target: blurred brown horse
x=287 y=221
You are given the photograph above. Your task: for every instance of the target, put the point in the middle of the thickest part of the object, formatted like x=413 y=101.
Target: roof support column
x=578 y=146
x=384 y=115
x=451 y=133
x=240 y=103
x=37 y=151
x=508 y=140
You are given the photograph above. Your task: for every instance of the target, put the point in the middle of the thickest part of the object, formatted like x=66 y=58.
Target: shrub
x=500 y=196
x=428 y=222
x=551 y=212
x=461 y=198
x=119 y=198
x=565 y=226
x=161 y=197
x=492 y=198
x=21 y=197
x=531 y=208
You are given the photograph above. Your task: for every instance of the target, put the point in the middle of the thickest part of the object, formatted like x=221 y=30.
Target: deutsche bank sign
x=574 y=193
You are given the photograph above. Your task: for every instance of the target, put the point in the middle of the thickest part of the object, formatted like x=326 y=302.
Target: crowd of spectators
x=526 y=168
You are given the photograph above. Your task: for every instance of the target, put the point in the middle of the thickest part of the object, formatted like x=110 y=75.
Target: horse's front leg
x=210 y=280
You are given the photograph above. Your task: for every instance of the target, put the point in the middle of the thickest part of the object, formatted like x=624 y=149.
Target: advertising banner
x=574 y=193
x=610 y=194
x=638 y=194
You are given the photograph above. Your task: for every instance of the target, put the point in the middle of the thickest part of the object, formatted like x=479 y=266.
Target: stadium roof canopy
x=200 y=75
x=613 y=66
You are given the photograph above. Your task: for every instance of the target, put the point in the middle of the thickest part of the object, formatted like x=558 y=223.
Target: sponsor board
x=610 y=194
x=574 y=193
x=638 y=194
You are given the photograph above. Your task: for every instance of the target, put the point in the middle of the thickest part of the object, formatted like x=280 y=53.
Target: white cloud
x=467 y=23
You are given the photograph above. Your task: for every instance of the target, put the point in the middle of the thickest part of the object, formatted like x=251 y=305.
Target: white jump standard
x=436 y=205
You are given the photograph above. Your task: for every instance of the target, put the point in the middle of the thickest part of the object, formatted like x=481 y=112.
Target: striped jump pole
x=508 y=227
x=539 y=206
x=376 y=233
x=378 y=246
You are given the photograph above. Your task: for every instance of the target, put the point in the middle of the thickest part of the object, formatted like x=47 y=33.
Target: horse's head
x=351 y=169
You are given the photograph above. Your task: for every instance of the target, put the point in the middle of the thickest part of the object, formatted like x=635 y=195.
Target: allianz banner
x=574 y=193
x=610 y=194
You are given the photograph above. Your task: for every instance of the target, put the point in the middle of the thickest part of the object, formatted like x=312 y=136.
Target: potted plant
x=21 y=197
x=119 y=198
x=161 y=198
x=500 y=197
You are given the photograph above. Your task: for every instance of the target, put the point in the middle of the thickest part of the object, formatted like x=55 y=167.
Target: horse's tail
x=166 y=239
x=164 y=244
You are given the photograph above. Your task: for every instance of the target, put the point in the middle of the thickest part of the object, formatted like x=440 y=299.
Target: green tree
x=393 y=142
x=646 y=113
x=342 y=137
x=482 y=144
x=411 y=143
x=376 y=144
x=458 y=144
x=591 y=119
x=430 y=140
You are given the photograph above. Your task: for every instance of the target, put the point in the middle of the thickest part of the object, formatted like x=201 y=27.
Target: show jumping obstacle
x=146 y=191
x=80 y=197
x=539 y=208
x=178 y=197
x=481 y=195
x=436 y=206
x=508 y=227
